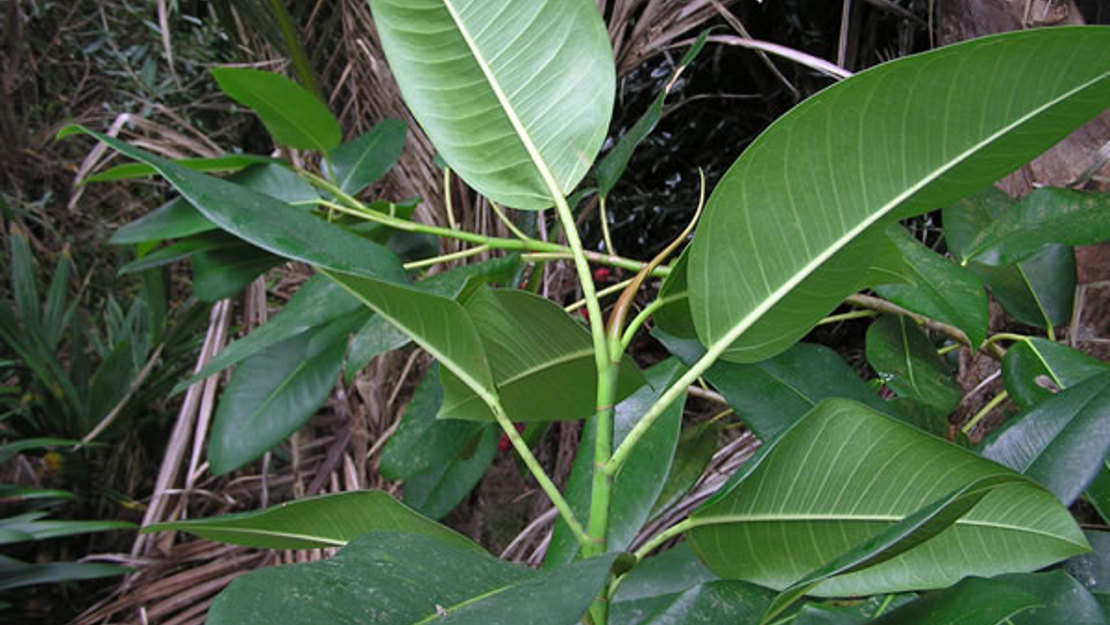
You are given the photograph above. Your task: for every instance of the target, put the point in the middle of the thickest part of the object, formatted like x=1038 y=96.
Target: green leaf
x=378 y=336
x=895 y=540
x=32 y=526
x=223 y=273
x=939 y=289
x=723 y=602
x=25 y=289
x=1039 y=290
x=1064 y=600
x=771 y=395
x=973 y=601
x=542 y=361
x=16 y=574
x=838 y=612
x=1035 y=369
x=437 y=491
x=787 y=229
x=172 y=220
x=636 y=488
x=111 y=381
x=325 y=521
x=655 y=582
x=844 y=474
x=291 y=114
x=269 y=223
x=696 y=446
x=316 y=303
x=272 y=394
x=395 y=579
x=515 y=96
x=9 y=450
x=1062 y=442
x=674 y=318
x=226 y=162
x=1093 y=569
x=438 y=324
x=906 y=361
x=204 y=242
x=1043 y=217
x=356 y=164
x=10 y=492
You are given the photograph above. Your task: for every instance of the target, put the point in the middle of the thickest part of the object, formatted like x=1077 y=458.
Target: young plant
x=848 y=496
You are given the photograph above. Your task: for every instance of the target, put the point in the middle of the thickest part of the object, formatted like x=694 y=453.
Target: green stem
x=605 y=226
x=663 y=537
x=609 y=290
x=984 y=411
x=643 y=316
x=447 y=202
x=848 y=316
x=508 y=222
x=537 y=471
x=1003 y=336
x=295 y=48
x=446 y=258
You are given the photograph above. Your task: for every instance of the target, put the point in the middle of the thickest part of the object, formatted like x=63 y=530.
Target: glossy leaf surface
x=401 y=579
x=291 y=114
x=907 y=362
x=1037 y=291
x=1035 y=369
x=843 y=474
x=266 y=222
x=323 y=521
x=222 y=273
x=542 y=361
x=786 y=228
x=516 y=96
x=356 y=164
x=940 y=290
x=272 y=394
x=226 y=162
x=655 y=582
x=1061 y=442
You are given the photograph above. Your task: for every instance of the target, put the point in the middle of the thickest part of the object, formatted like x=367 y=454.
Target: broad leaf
x=655 y=583
x=897 y=539
x=906 y=361
x=268 y=223
x=324 y=521
x=844 y=474
x=222 y=273
x=1043 y=217
x=356 y=164
x=515 y=96
x=542 y=361
x=640 y=481
x=973 y=601
x=273 y=393
x=174 y=219
x=227 y=162
x=438 y=324
x=440 y=460
x=674 y=317
x=940 y=289
x=1093 y=569
x=291 y=114
x=1035 y=369
x=724 y=602
x=696 y=446
x=403 y=579
x=787 y=227
x=1062 y=442
x=1039 y=290
x=204 y=242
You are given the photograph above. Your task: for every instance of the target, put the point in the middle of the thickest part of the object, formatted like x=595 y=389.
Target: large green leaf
x=542 y=361
x=356 y=164
x=787 y=227
x=1035 y=369
x=292 y=115
x=845 y=473
x=723 y=602
x=226 y=162
x=222 y=273
x=1044 y=216
x=906 y=361
x=940 y=289
x=403 y=579
x=438 y=324
x=437 y=491
x=1037 y=291
x=266 y=222
x=696 y=446
x=655 y=582
x=325 y=521
x=516 y=96
x=1062 y=442
x=273 y=393
x=639 y=483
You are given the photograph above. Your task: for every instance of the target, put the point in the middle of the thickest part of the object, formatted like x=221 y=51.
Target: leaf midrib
x=809 y=268
x=258 y=532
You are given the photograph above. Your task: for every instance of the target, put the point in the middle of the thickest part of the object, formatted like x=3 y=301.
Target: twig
x=115 y=412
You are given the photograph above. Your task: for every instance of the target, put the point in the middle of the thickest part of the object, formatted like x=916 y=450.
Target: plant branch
x=444 y=258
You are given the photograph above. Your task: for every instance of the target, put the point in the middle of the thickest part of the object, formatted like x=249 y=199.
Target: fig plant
x=849 y=495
